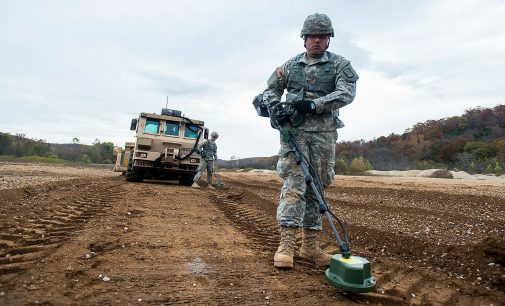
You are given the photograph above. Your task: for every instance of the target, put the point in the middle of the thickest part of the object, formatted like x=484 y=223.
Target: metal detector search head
x=218 y=184
x=353 y=274
x=349 y=273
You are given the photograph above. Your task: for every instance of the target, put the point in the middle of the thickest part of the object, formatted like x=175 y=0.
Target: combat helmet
x=317 y=24
x=214 y=134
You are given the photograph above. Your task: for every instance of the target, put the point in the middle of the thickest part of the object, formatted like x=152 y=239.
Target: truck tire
x=131 y=174
x=186 y=180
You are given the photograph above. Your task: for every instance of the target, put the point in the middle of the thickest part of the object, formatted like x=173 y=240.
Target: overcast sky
x=85 y=68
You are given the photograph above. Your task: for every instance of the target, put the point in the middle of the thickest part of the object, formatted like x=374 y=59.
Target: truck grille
x=143 y=163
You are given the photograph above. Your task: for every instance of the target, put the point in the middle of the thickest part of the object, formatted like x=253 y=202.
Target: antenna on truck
x=166 y=105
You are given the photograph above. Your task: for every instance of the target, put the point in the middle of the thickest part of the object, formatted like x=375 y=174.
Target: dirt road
x=73 y=236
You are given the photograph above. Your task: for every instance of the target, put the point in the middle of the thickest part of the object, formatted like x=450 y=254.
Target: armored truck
x=165 y=148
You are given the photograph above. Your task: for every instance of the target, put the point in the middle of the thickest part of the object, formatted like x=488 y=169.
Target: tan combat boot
x=211 y=187
x=310 y=249
x=195 y=185
x=283 y=258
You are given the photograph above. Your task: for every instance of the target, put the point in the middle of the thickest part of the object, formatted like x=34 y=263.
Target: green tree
x=360 y=165
x=85 y=159
x=498 y=168
x=5 y=143
x=472 y=167
x=480 y=150
x=340 y=166
x=499 y=144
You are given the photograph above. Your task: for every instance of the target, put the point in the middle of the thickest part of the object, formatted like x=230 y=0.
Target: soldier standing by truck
x=208 y=152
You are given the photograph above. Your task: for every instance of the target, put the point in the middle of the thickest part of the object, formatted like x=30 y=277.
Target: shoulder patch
x=280 y=73
x=277 y=76
x=349 y=74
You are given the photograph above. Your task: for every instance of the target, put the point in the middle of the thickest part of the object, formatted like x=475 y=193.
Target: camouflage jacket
x=330 y=82
x=208 y=150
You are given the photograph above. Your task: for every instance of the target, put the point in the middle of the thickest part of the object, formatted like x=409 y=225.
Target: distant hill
x=253 y=162
x=19 y=145
x=474 y=142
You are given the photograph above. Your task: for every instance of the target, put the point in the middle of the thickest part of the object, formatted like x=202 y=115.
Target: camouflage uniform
x=208 y=152
x=318 y=83
x=330 y=82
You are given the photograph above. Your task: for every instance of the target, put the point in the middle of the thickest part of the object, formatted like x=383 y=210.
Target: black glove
x=282 y=115
x=279 y=117
x=304 y=107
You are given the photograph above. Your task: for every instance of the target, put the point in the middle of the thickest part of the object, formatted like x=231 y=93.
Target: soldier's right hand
x=281 y=115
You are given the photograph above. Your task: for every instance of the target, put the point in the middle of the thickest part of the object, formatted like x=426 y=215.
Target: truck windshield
x=191 y=131
x=172 y=128
x=152 y=126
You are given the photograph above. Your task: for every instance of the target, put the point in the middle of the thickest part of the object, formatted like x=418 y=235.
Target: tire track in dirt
x=254 y=225
x=171 y=245
x=253 y=213
x=473 y=207
x=53 y=219
x=424 y=267
x=215 y=270
x=420 y=233
x=400 y=278
x=236 y=203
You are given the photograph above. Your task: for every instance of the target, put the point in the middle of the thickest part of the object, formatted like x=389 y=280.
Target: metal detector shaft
x=323 y=207
x=350 y=275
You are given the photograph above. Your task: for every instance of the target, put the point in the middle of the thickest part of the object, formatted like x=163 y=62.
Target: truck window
x=191 y=131
x=152 y=126
x=172 y=128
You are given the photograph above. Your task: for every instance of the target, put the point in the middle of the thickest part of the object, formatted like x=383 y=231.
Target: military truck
x=165 y=148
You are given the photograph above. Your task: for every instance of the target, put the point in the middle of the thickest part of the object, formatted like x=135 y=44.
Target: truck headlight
x=141 y=154
x=194 y=160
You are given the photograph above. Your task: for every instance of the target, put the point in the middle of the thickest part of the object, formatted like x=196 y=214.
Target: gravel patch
x=19 y=175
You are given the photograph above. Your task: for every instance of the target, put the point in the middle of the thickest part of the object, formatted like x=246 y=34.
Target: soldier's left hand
x=304 y=107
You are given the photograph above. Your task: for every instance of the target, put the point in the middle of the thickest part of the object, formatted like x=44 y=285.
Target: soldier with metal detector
x=318 y=83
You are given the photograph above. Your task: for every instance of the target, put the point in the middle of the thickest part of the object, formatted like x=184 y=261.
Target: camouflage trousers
x=205 y=165
x=298 y=206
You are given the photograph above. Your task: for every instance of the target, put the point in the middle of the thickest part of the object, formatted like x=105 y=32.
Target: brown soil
x=73 y=236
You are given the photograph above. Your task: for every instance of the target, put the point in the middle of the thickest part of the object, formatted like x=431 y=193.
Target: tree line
x=473 y=142
x=18 y=145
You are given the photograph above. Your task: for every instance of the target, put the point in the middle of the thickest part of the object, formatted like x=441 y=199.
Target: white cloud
x=84 y=69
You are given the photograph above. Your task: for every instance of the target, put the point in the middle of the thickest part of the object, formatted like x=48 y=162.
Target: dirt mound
x=446 y=174
x=438 y=173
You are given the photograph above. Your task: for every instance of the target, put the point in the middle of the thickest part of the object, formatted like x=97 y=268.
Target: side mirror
x=206 y=134
x=133 y=125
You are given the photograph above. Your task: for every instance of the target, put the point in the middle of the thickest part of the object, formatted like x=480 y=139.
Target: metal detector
x=350 y=273
x=219 y=184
